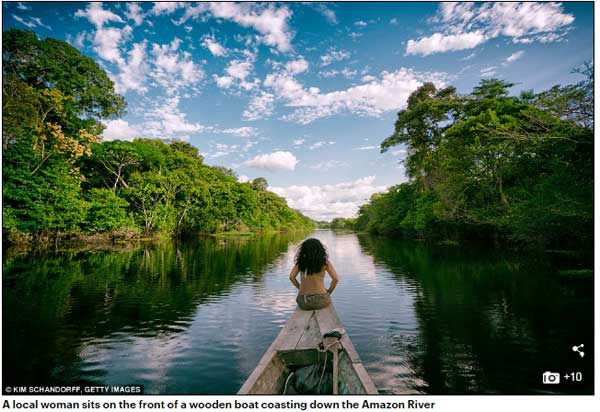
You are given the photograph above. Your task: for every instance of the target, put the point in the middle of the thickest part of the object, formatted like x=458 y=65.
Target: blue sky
x=303 y=94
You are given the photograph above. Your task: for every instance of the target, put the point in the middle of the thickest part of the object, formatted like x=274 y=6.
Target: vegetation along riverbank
x=61 y=181
x=491 y=166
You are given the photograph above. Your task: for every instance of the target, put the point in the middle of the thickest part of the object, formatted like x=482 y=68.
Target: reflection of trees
x=54 y=303
x=487 y=323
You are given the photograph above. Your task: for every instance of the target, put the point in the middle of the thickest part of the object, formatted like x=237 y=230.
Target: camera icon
x=551 y=378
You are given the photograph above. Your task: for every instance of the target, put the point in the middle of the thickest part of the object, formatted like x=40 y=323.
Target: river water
x=195 y=316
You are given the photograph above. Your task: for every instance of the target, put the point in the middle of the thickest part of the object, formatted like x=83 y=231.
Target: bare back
x=313 y=284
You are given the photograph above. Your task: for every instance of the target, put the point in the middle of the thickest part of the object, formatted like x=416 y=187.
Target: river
x=195 y=316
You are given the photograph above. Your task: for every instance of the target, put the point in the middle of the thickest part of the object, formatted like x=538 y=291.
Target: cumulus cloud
x=274 y=162
x=237 y=73
x=133 y=70
x=97 y=15
x=213 y=46
x=261 y=106
x=135 y=12
x=326 y=202
x=438 y=42
x=166 y=120
x=466 y=25
x=334 y=55
x=297 y=66
x=373 y=98
x=120 y=130
x=174 y=69
x=166 y=7
x=270 y=21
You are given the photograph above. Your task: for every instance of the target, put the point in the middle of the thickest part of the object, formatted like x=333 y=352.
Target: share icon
x=578 y=350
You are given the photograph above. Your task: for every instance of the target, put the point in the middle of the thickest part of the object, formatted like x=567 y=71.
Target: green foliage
x=59 y=179
x=491 y=165
x=106 y=212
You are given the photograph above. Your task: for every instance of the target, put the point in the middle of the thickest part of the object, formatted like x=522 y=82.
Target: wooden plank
x=311 y=337
x=257 y=373
x=366 y=380
x=291 y=333
x=328 y=320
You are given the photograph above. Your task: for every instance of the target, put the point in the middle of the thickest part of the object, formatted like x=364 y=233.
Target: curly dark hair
x=311 y=256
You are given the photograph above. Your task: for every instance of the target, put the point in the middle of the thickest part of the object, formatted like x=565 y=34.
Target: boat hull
x=296 y=346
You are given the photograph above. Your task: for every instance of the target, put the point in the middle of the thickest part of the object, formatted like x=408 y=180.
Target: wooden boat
x=297 y=345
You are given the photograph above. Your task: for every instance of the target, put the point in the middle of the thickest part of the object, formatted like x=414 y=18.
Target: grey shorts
x=311 y=302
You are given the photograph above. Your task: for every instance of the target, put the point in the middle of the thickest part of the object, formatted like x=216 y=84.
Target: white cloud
x=223 y=82
x=273 y=162
x=366 y=148
x=213 y=46
x=174 y=69
x=466 y=25
x=268 y=20
x=360 y=23
x=166 y=7
x=388 y=92
x=320 y=144
x=98 y=15
x=244 y=131
x=513 y=57
x=243 y=179
x=165 y=120
x=394 y=21
x=438 y=43
x=330 y=201
x=237 y=73
x=120 y=130
x=133 y=70
x=261 y=106
x=325 y=11
x=299 y=142
x=334 y=55
x=297 y=66
x=135 y=12
x=469 y=57
x=488 y=71
x=108 y=41
x=347 y=73
x=31 y=22
x=22 y=6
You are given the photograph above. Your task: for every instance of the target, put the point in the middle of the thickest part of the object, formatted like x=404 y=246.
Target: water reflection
x=487 y=322
x=196 y=316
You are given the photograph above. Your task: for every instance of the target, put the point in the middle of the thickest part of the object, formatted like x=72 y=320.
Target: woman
x=312 y=263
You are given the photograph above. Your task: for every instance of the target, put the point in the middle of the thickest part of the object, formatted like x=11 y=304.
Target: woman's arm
x=293 y=275
x=334 y=276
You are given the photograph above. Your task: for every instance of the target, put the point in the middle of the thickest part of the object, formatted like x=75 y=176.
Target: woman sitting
x=312 y=262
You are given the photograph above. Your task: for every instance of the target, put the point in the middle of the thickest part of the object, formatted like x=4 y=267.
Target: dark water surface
x=195 y=316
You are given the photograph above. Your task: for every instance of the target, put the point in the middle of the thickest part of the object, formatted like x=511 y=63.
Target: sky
x=303 y=94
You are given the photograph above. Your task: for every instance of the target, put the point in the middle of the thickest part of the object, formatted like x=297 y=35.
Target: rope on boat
x=325 y=349
x=286 y=382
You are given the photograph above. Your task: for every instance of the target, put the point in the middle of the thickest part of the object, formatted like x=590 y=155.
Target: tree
x=491 y=165
x=260 y=183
